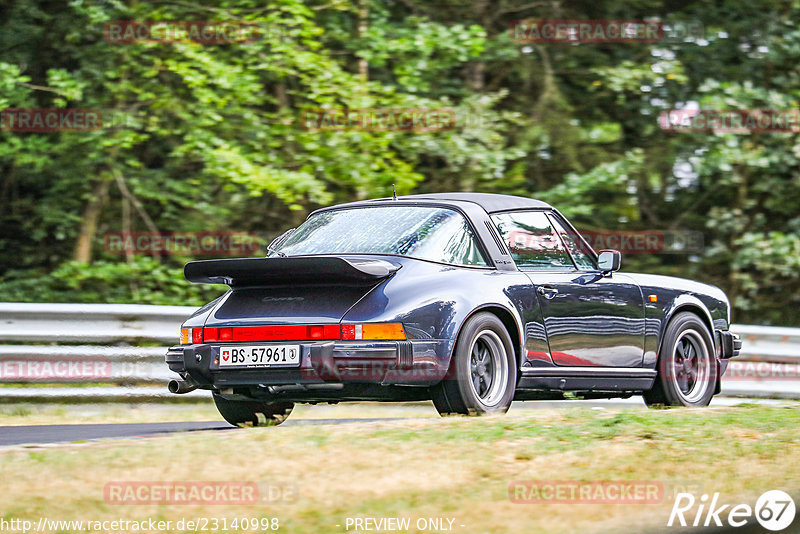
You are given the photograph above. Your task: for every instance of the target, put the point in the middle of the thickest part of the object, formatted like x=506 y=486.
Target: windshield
x=428 y=233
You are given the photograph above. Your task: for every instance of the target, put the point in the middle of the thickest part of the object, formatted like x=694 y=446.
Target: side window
x=532 y=241
x=579 y=250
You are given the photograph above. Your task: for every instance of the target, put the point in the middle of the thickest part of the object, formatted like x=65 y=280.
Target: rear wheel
x=252 y=413
x=483 y=370
x=687 y=368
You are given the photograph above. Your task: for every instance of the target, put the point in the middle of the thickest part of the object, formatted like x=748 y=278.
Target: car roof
x=491 y=202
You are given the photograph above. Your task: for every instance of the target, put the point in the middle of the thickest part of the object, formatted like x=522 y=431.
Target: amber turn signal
x=374 y=332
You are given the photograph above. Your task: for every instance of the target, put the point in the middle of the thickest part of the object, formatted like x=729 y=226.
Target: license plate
x=260 y=356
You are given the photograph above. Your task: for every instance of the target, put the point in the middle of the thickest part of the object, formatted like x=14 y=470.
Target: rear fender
x=510 y=317
x=434 y=301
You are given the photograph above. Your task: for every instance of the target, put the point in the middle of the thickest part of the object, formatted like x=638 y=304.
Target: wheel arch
x=689 y=303
x=510 y=320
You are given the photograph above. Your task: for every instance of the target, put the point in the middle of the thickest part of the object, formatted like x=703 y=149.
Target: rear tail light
x=316 y=332
x=348 y=332
x=272 y=333
x=311 y=332
x=374 y=332
x=218 y=334
x=197 y=335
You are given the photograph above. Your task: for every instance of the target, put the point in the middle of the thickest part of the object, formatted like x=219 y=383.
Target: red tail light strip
x=270 y=333
x=197 y=335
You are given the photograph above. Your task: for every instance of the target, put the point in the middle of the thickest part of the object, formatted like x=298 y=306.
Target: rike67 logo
x=774 y=510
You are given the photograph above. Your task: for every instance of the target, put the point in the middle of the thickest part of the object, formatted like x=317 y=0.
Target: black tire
x=687 y=365
x=483 y=371
x=252 y=413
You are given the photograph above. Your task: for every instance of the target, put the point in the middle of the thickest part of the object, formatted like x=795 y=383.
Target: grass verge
x=426 y=468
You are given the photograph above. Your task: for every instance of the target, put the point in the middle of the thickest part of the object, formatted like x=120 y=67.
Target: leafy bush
x=144 y=281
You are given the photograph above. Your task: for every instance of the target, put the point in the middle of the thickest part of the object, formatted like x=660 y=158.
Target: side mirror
x=609 y=260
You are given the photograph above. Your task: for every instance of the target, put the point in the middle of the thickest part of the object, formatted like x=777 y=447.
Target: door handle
x=547 y=291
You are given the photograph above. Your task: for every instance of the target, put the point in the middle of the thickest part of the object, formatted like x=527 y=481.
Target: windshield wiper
x=278 y=252
x=278 y=241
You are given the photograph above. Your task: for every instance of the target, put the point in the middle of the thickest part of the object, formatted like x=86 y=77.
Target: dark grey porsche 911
x=470 y=300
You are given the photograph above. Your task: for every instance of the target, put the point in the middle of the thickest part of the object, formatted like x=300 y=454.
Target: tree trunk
x=363 y=66
x=89 y=220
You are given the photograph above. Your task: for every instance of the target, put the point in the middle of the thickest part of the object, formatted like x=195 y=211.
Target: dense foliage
x=212 y=140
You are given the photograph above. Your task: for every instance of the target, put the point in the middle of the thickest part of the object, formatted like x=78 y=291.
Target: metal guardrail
x=93 y=352
x=115 y=352
x=768 y=366
x=91 y=323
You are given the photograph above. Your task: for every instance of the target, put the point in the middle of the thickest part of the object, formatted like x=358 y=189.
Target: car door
x=591 y=319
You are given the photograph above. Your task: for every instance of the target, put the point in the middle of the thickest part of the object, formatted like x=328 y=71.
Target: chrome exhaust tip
x=179 y=387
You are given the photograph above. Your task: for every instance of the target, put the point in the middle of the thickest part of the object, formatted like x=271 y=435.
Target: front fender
x=674 y=295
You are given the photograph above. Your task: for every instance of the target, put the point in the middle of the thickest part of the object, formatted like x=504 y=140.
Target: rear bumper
x=380 y=362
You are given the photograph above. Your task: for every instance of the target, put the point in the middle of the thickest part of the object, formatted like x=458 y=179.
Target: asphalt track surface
x=46 y=434
x=50 y=434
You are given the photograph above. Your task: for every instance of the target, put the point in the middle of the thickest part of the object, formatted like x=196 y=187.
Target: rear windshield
x=436 y=234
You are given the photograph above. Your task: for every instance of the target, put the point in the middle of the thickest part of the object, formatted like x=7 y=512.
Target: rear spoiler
x=306 y=270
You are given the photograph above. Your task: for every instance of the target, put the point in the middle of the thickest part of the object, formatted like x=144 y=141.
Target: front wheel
x=252 y=413
x=483 y=370
x=687 y=368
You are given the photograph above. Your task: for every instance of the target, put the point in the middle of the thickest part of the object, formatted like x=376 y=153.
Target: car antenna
x=394 y=193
